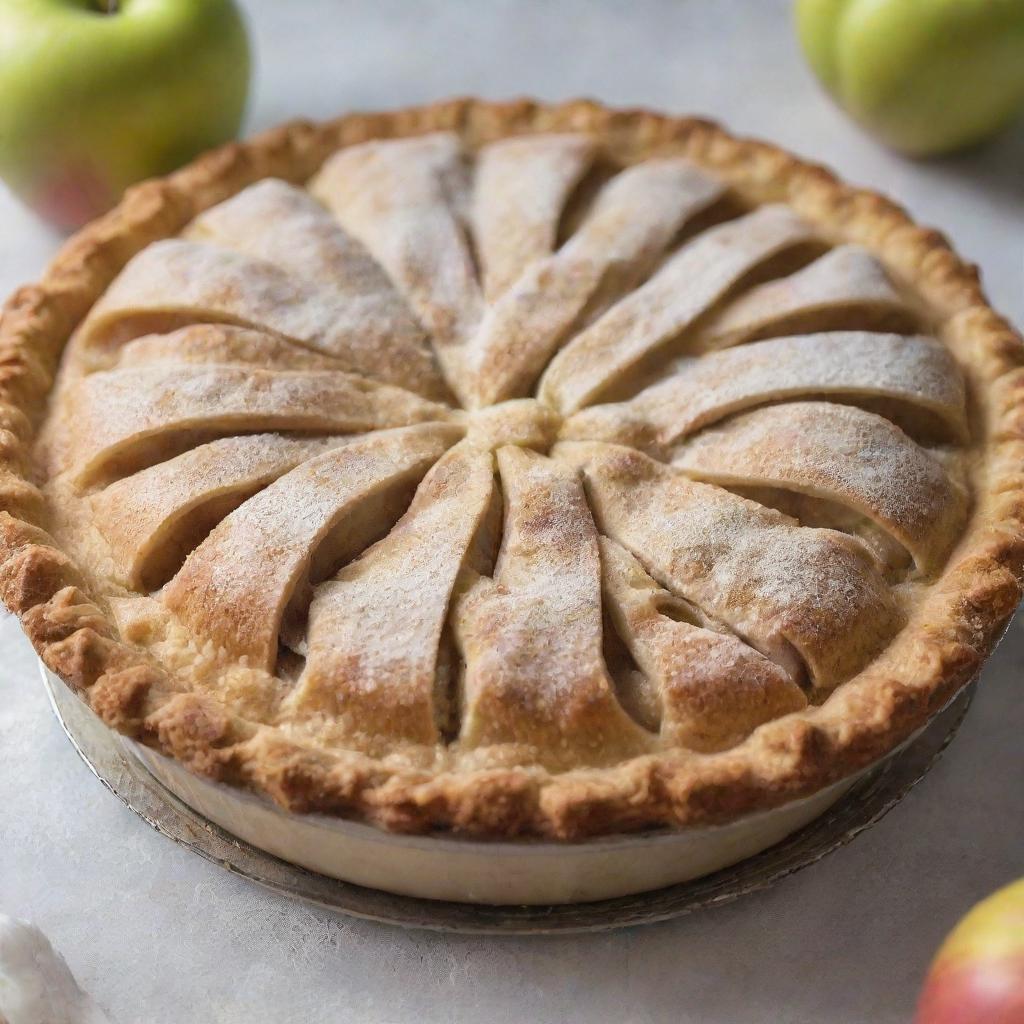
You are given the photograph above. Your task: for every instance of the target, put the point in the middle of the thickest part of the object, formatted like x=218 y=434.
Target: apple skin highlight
x=977 y=976
x=94 y=101
x=991 y=993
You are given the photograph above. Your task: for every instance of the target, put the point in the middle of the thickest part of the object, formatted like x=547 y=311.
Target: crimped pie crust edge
x=941 y=648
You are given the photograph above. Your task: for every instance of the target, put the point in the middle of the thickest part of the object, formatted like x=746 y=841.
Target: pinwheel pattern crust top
x=510 y=462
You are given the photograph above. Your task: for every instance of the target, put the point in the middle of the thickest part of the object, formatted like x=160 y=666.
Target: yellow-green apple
x=98 y=94
x=977 y=976
x=926 y=76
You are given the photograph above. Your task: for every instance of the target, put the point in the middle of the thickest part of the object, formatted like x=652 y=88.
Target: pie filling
x=507 y=458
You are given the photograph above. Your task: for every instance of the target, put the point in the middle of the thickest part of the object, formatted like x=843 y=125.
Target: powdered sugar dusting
x=178 y=279
x=845 y=277
x=375 y=629
x=843 y=454
x=405 y=201
x=668 y=303
x=220 y=589
x=520 y=187
x=633 y=220
x=108 y=417
x=531 y=637
x=136 y=513
x=713 y=688
x=284 y=225
x=780 y=585
x=855 y=365
x=214 y=358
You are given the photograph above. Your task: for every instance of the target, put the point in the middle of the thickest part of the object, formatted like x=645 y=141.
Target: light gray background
x=160 y=936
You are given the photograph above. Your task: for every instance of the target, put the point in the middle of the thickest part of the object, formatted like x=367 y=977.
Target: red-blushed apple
x=977 y=976
x=98 y=94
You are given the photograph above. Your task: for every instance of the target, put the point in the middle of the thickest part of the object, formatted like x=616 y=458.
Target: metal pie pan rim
x=869 y=800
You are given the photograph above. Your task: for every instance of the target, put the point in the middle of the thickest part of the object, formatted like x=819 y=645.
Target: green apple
x=98 y=94
x=926 y=76
x=977 y=976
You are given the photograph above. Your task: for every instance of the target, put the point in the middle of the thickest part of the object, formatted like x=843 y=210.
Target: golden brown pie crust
x=950 y=632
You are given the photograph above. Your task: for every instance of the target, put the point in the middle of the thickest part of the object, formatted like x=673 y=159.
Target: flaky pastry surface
x=511 y=469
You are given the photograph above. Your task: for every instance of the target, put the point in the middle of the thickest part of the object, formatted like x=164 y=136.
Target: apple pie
x=511 y=469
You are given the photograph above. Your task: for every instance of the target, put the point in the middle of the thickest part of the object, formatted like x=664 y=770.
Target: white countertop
x=157 y=935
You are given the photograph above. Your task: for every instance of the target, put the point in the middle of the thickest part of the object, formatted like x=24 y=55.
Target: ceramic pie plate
x=447 y=883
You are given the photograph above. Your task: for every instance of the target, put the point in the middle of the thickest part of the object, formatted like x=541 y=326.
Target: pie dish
x=511 y=470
